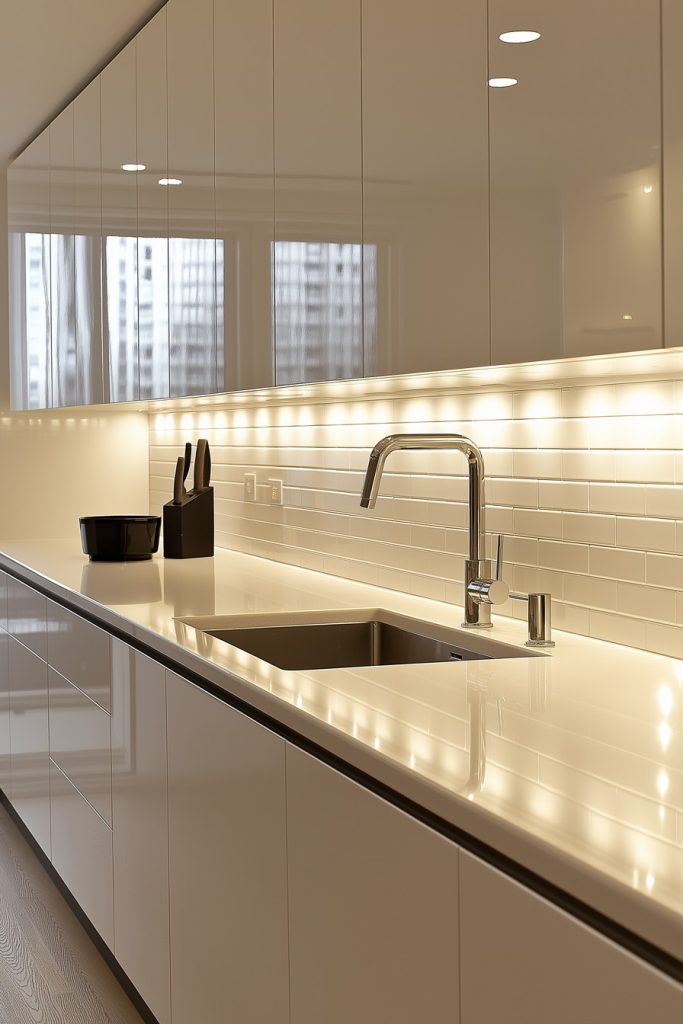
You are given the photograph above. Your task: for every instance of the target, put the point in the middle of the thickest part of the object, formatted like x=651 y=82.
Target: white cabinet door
x=5 y=773
x=318 y=191
x=195 y=260
x=64 y=355
x=82 y=852
x=139 y=800
x=243 y=70
x=425 y=185
x=153 y=193
x=30 y=758
x=118 y=91
x=373 y=904
x=575 y=200
x=524 y=960
x=227 y=863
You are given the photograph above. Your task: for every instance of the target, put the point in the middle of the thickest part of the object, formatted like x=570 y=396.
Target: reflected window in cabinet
x=138 y=349
x=319 y=298
x=29 y=255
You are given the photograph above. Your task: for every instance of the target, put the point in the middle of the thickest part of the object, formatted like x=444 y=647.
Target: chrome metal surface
x=478 y=598
x=539 y=618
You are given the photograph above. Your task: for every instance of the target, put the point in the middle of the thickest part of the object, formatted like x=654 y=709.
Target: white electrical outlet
x=250 y=486
x=275 y=492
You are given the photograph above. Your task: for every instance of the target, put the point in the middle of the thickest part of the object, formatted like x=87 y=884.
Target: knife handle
x=199 y=464
x=178 y=481
x=207 y=466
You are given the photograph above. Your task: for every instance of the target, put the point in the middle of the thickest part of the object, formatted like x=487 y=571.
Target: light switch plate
x=275 y=492
x=250 y=487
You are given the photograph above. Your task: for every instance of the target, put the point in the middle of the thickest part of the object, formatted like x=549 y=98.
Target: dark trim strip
x=634 y=943
x=102 y=947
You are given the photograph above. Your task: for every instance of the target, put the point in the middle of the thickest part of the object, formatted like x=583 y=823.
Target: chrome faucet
x=481 y=588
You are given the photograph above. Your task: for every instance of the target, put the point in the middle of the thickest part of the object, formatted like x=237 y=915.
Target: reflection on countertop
x=571 y=764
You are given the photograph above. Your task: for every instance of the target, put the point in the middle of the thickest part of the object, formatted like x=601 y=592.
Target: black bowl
x=120 y=538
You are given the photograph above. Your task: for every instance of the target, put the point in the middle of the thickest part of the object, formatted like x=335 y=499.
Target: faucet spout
x=481 y=589
x=453 y=442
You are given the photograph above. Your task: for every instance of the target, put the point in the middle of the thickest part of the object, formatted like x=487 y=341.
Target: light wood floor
x=50 y=971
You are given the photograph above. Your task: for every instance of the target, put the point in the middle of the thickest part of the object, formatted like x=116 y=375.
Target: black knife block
x=188 y=527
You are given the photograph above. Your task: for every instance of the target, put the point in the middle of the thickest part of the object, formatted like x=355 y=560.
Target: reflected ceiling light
x=502 y=83
x=133 y=167
x=647 y=189
x=170 y=181
x=627 y=316
x=520 y=36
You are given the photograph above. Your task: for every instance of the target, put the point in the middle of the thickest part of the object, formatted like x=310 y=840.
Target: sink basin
x=351 y=639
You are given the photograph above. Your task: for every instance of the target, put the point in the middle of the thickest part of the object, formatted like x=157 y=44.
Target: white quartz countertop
x=583 y=780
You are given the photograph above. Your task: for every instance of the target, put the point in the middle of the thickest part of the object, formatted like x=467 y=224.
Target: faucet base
x=476 y=625
x=539 y=643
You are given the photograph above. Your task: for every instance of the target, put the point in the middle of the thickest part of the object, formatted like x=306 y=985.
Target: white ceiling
x=49 y=49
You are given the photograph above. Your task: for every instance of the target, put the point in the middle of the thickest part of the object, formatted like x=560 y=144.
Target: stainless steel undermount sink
x=350 y=639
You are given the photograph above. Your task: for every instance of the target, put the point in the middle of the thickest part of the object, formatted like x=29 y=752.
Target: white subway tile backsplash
x=585 y=481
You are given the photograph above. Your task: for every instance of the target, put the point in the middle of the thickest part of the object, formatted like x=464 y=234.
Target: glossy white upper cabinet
x=425 y=185
x=575 y=179
x=243 y=77
x=120 y=224
x=523 y=959
x=28 y=189
x=317 y=256
x=65 y=389
x=88 y=244
x=153 y=190
x=195 y=259
x=672 y=166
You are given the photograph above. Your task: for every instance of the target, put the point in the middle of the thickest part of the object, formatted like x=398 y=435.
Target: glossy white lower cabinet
x=79 y=650
x=80 y=742
x=525 y=960
x=82 y=852
x=5 y=774
x=373 y=906
x=227 y=862
x=29 y=741
x=139 y=799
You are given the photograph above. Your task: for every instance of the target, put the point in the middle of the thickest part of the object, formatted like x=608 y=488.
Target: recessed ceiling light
x=170 y=181
x=502 y=83
x=520 y=36
x=647 y=189
x=133 y=167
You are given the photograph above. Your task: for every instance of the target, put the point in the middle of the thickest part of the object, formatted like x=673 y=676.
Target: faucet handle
x=500 y=543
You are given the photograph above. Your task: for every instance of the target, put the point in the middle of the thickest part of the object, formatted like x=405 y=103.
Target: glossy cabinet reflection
x=523 y=959
x=672 y=167
x=88 y=244
x=373 y=906
x=118 y=85
x=328 y=191
x=65 y=390
x=28 y=210
x=29 y=737
x=195 y=261
x=425 y=187
x=317 y=262
x=243 y=96
x=140 y=821
x=82 y=852
x=575 y=179
x=152 y=195
x=5 y=773
x=227 y=862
